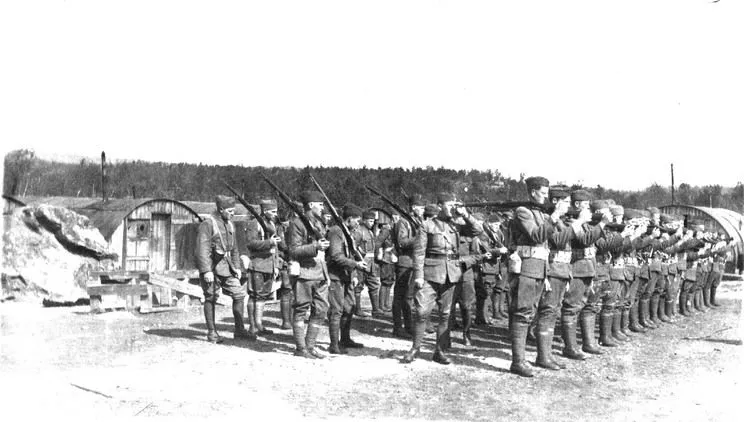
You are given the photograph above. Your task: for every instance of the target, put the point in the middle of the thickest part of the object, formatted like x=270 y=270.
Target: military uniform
x=436 y=261
x=309 y=276
x=464 y=293
x=386 y=260
x=489 y=276
x=217 y=253
x=404 y=237
x=367 y=243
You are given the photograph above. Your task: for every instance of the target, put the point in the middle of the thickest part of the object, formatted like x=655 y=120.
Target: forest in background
x=25 y=174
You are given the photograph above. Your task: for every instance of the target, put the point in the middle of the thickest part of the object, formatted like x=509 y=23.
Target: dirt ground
x=68 y=363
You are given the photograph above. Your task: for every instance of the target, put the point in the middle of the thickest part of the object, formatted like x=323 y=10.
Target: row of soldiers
x=561 y=255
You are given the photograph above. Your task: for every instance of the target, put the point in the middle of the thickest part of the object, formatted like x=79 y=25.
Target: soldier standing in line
x=285 y=291
x=404 y=236
x=219 y=267
x=342 y=269
x=309 y=274
x=532 y=229
x=367 y=242
x=265 y=263
x=489 y=273
x=386 y=259
x=436 y=268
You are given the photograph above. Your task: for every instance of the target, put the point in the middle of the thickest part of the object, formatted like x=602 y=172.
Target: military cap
x=495 y=218
x=559 y=192
x=268 y=204
x=598 y=204
x=309 y=196
x=369 y=214
x=416 y=200
x=443 y=197
x=580 y=195
x=617 y=210
x=351 y=210
x=536 y=182
x=431 y=210
x=631 y=213
x=224 y=202
x=479 y=216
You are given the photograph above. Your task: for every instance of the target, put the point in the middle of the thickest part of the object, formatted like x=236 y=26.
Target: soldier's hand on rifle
x=323 y=244
x=460 y=210
x=361 y=265
x=561 y=208
x=487 y=255
x=209 y=277
x=419 y=283
x=503 y=251
x=275 y=239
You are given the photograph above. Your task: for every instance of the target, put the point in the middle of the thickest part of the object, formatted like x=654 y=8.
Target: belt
x=587 y=253
x=536 y=252
x=563 y=257
x=449 y=257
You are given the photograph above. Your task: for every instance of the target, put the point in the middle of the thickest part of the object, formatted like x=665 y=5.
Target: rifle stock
x=340 y=222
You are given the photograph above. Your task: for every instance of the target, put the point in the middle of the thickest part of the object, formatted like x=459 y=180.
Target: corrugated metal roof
x=730 y=221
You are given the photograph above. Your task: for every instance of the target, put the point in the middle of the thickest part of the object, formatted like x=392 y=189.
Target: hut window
x=138 y=229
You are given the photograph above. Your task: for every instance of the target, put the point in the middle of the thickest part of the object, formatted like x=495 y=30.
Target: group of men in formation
x=558 y=255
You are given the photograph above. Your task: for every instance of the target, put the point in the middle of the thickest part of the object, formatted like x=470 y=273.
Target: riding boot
x=383 y=298
x=606 y=318
x=260 y=304
x=713 y=297
x=358 y=306
x=334 y=330
x=346 y=340
x=518 y=336
x=634 y=323
x=683 y=304
x=661 y=311
x=212 y=335
x=285 y=303
x=312 y=334
x=443 y=341
x=589 y=344
x=251 y=313
x=706 y=297
x=653 y=309
x=298 y=332
x=624 y=323
x=240 y=331
x=419 y=331
x=374 y=299
x=698 y=302
x=643 y=311
x=568 y=333
x=467 y=323
x=617 y=332
x=481 y=316
x=669 y=310
x=544 y=335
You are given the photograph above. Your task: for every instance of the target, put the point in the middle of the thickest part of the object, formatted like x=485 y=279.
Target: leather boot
x=661 y=311
x=643 y=311
x=346 y=340
x=251 y=313
x=298 y=332
x=706 y=297
x=443 y=341
x=285 y=304
x=624 y=323
x=374 y=299
x=698 y=303
x=544 y=346
x=606 y=318
x=467 y=323
x=531 y=329
x=212 y=335
x=568 y=333
x=313 y=328
x=419 y=330
x=497 y=306
x=653 y=309
x=260 y=304
x=334 y=330
x=634 y=323
x=669 y=310
x=481 y=316
x=588 y=345
x=683 y=304
x=518 y=336
x=384 y=297
x=358 y=306
x=617 y=332
x=713 y=301
x=240 y=332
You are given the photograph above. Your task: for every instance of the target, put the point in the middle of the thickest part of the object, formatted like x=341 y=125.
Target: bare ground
x=66 y=362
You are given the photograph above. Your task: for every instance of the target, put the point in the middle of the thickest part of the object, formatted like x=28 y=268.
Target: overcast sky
x=595 y=92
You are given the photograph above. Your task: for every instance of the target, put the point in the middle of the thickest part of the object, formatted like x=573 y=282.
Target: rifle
x=510 y=205
x=340 y=222
x=395 y=206
x=297 y=210
x=267 y=230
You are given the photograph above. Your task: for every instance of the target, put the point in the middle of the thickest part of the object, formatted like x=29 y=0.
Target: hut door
x=160 y=242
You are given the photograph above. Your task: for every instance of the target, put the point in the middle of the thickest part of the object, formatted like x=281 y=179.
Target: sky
x=590 y=92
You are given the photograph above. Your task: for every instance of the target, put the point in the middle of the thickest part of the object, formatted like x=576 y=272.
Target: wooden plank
x=120 y=274
x=184 y=286
x=160 y=309
x=117 y=289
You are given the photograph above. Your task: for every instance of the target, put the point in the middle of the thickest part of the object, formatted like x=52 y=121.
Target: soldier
x=342 y=271
x=265 y=263
x=436 y=267
x=489 y=272
x=219 y=267
x=367 y=242
x=285 y=291
x=386 y=259
x=531 y=230
x=309 y=274
x=404 y=236
x=583 y=270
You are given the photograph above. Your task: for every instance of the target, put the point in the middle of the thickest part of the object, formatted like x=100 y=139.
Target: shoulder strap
x=219 y=233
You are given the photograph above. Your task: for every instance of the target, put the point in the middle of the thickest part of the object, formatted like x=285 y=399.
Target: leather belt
x=563 y=257
x=586 y=253
x=448 y=257
x=536 y=252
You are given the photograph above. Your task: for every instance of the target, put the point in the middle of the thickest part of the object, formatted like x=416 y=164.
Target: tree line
x=25 y=174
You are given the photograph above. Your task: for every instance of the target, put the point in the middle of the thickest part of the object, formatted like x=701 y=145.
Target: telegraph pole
x=672 y=183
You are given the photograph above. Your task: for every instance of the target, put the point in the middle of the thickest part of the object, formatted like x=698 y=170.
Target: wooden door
x=160 y=242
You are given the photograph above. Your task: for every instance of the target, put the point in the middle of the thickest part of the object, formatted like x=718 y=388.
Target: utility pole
x=672 y=183
x=103 y=175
